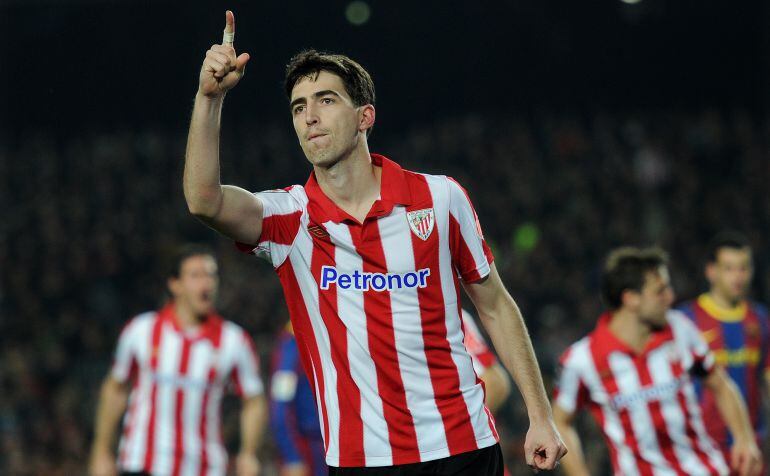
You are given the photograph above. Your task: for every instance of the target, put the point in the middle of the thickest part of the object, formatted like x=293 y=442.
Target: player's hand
x=247 y=464
x=102 y=464
x=543 y=447
x=294 y=469
x=745 y=458
x=222 y=69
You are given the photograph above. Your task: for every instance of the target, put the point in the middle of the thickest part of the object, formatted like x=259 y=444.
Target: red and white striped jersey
x=172 y=426
x=644 y=403
x=376 y=311
x=481 y=355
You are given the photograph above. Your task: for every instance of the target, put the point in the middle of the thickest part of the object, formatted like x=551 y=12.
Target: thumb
x=240 y=62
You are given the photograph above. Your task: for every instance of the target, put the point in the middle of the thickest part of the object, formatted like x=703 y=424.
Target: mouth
x=315 y=135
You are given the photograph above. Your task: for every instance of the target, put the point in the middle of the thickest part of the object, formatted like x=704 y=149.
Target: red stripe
x=443 y=372
x=692 y=436
x=611 y=387
x=665 y=444
x=157 y=331
x=382 y=347
x=351 y=428
x=281 y=229
x=216 y=340
x=184 y=362
x=306 y=344
x=598 y=413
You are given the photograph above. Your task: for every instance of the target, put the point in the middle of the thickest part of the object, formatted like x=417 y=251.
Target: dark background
x=575 y=126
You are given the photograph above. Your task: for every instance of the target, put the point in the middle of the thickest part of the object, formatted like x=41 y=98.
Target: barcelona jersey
x=739 y=338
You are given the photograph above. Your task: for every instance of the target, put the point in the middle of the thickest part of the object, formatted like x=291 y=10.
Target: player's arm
x=574 y=463
x=253 y=422
x=504 y=323
x=497 y=386
x=745 y=456
x=113 y=399
x=230 y=210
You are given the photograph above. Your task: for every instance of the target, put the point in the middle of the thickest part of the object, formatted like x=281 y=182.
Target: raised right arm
x=230 y=210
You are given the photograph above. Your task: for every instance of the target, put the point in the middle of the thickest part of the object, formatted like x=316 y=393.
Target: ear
x=630 y=298
x=367 y=115
x=710 y=271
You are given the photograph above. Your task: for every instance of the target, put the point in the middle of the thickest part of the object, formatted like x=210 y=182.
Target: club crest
x=421 y=222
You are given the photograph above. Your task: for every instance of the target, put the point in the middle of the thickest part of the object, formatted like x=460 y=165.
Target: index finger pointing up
x=229 y=34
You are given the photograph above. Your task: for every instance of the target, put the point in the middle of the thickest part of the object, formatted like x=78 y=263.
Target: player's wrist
x=212 y=99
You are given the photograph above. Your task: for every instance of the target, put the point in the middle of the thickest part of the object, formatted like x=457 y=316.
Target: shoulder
x=681 y=324
x=759 y=308
x=578 y=355
x=140 y=322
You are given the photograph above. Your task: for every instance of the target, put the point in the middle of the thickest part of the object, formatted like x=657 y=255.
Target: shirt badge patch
x=421 y=222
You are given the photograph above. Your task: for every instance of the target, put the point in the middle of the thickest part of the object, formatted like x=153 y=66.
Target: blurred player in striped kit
x=635 y=373
x=737 y=331
x=293 y=417
x=170 y=372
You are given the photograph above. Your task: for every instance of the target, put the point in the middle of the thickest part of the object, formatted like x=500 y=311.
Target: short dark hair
x=309 y=64
x=626 y=269
x=726 y=239
x=183 y=252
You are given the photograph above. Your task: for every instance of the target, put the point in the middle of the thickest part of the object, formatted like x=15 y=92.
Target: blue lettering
x=363 y=281
x=328 y=276
x=378 y=278
x=396 y=278
x=344 y=281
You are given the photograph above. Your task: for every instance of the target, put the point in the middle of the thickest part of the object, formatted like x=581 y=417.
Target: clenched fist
x=222 y=69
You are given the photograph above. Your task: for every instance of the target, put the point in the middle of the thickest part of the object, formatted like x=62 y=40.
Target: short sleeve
x=481 y=355
x=125 y=360
x=702 y=357
x=471 y=256
x=570 y=392
x=281 y=219
x=246 y=371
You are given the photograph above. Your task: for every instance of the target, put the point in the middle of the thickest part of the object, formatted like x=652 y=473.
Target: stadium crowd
x=91 y=216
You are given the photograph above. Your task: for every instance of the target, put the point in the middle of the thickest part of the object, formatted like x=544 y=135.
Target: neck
x=185 y=316
x=352 y=183
x=627 y=327
x=724 y=301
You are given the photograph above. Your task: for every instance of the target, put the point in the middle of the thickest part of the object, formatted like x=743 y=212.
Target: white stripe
x=660 y=370
x=301 y=262
x=169 y=355
x=217 y=456
x=462 y=210
x=612 y=427
x=395 y=236
x=569 y=383
x=472 y=391
x=350 y=303
x=627 y=380
x=197 y=371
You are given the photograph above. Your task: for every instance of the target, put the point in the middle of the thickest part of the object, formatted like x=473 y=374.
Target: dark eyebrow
x=315 y=95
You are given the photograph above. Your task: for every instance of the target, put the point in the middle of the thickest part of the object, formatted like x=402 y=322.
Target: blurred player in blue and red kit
x=293 y=414
x=737 y=331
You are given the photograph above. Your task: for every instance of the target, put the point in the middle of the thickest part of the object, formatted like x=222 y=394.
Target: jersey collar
x=724 y=314
x=608 y=342
x=394 y=190
x=207 y=329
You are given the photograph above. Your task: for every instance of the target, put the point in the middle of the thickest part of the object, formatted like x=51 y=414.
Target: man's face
x=656 y=297
x=730 y=275
x=196 y=286
x=325 y=119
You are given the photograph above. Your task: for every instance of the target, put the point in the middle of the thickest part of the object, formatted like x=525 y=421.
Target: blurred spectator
x=88 y=215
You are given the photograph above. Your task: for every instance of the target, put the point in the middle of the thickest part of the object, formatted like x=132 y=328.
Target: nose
x=311 y=117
